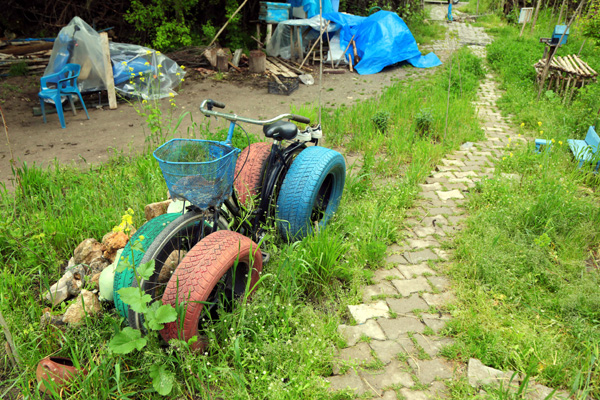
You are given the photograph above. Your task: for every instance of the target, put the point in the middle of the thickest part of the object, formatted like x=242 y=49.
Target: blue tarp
x=381 y=39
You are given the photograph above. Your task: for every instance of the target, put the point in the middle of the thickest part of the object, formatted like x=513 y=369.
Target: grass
x=527 y=263
x=279 y=346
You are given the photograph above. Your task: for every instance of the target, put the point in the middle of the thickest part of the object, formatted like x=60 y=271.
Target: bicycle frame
x=278 y=163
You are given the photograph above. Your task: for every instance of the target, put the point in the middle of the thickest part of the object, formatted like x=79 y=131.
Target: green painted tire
x=150 y=230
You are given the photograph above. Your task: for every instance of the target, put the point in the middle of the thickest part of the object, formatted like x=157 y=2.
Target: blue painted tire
x=150 y=230
x=311 y=191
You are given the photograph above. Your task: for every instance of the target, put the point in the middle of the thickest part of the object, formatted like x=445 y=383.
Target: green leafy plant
x=155 y=314
x=424 y=121
x=590 y=23
x=18 y=69
x=381 y=119
x=164 y=22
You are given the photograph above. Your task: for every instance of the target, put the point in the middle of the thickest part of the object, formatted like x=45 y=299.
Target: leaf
x=162 y=380
x=126 y=341
x=123 y=264
x=163 y=314
x=145 y=270
x=135 y=299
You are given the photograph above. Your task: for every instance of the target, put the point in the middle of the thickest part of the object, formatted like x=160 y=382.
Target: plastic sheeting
x=280 y=43
x=381 y=39
x=138 y=71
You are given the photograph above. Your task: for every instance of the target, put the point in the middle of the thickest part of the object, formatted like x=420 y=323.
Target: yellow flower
x=142 y=237
x=177 y=74
x=540 y=165
x=522 y=124
x=142 y=79
x=182 y=67
x=511 y=154
x=503 y=158
x=541 y=132
x=140 y=73
x=146 y=63
x=553 y=141
x=148 y=52
x=124 y=63
x=182 y=79
x=171 y=94
x=159 y=65
x=560 y=142
x=519 y=135
x=130 y=68
x=509 y=139
x=539 y=123
x=132 y=74
x=144 y=101
x=158 y=52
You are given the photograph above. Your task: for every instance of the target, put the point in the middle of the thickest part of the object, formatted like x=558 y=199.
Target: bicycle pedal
x=265 y=257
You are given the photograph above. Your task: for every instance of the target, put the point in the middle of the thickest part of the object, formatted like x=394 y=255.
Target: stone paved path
x=395 y=342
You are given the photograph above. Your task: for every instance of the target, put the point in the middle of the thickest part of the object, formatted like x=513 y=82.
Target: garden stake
x=313 y=47
x=581 y=48
x=226 y=23
x=448 y=102
x=345 y=50
x=535 y=16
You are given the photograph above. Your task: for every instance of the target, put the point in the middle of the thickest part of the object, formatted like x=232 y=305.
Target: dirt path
x=86 y=142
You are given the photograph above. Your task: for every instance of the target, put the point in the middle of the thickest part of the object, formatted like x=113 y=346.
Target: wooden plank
x=576 y=66
x=282 y=67
x=108 y=72
x=585 y=66
x=291 y=67
x=273 y=68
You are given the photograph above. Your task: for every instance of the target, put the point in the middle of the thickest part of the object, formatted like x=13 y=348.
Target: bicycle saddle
x=281 y=130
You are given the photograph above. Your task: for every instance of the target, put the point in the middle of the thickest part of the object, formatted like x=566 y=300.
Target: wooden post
x=535 y=15
x=477 y=8
x=257 y=62
x=236 y=57
x=108 y=72
x=523 y=28
x=222 y=62
x=269 y=34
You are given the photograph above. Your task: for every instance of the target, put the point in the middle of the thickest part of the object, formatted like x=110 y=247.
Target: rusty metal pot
x=60 y=370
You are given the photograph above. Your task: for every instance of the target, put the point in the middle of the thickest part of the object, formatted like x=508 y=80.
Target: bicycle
x=297 y=186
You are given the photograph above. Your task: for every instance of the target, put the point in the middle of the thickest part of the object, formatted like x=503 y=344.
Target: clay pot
x=57 y=369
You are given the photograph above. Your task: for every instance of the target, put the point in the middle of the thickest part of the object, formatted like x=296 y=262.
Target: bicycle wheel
x=250 y=171
x=167 y=251
x=311 y=191
x=149 y=231
x=214 y=273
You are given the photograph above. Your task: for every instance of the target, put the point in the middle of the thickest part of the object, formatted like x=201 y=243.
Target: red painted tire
x=204 y=275
x=249 y=170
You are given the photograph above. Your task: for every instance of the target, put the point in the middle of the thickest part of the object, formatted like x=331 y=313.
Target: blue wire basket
x=198 y=171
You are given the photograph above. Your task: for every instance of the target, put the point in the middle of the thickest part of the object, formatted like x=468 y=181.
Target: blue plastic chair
x=65 y=82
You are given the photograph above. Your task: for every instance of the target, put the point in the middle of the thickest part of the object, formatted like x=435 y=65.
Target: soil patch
x=86 y=142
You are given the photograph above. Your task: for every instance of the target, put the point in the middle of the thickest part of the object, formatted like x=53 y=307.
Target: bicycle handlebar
x=208 y=104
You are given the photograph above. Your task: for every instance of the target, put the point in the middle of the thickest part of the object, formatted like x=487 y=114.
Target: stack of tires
x=196 y=268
